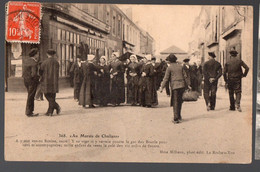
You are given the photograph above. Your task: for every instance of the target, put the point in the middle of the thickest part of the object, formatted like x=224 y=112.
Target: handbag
x=189 y=95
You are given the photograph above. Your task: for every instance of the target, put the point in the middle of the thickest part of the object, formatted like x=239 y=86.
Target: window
x=114 y=25
x=63 y=59
x=75 y=38
x=127 y=32
x=78 y=39
x=130 y=36
x=90 y=42
x=59 y=34
x=67 y=36
x=71 y=37
x=119 y=26
x=63 y=37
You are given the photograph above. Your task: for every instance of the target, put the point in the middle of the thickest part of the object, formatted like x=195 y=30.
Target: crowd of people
x=134 y=81
x=104 y=83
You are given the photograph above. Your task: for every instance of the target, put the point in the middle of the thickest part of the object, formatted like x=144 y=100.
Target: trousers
x=177 y=103
x=210 y=92
x=77 y=89
x=52 y=102
x=31 y=86
x=234 y=87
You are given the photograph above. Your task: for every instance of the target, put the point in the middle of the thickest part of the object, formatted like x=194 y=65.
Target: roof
x=180 y=57
x=173 y=49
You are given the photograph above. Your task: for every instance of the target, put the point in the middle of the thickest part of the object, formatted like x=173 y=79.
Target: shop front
x=65 y=29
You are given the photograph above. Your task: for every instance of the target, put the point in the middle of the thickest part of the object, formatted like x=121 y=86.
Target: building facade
x=221 y=28
x=100 y=28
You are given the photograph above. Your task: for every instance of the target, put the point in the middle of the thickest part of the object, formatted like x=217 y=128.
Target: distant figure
x=31 y=80
x=76 y=71
x=50 y=81
x=194 y=74
x=212 y=71
x=179 y=80
x=187 y=67
x=233 y=75
x=70 y=73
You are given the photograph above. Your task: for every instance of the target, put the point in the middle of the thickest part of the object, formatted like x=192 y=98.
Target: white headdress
x=91 y=56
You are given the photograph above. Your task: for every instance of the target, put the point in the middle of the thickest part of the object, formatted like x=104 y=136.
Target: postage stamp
x=23 y=22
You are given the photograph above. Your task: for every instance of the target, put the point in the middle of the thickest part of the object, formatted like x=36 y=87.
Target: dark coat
x=102 y=85
x=158 y=74
x=77 y=72
x=212 y=69
x=50 y=75
x=87 y=91
x=133 y=82
x=194 y=77
x=117 y=83
x=30 y=69
x=133 y=68
x=176 y=74
x=147 y=86
x=233 y=69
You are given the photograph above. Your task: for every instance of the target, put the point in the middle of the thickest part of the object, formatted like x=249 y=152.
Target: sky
x=167 y=24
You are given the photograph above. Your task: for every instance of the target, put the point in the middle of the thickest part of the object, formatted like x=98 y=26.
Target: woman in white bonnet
x=117 y=71
x=86 y=96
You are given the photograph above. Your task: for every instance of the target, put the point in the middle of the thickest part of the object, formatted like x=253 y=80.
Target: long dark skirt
x=86 y=93
x=132 y=90
x=102 y=91
x=117 y=94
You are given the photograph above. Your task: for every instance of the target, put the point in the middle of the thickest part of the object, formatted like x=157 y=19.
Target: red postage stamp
x=23 y=22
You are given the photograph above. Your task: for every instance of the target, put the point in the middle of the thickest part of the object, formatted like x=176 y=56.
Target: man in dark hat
x=233 y=75
x=31 y=79
x=212 y=71
x=178 y=81
x=50 y=79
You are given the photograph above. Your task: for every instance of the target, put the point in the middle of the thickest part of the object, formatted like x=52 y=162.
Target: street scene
x=120 y=83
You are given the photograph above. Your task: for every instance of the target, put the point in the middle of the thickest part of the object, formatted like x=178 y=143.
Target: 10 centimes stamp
x=23 y=22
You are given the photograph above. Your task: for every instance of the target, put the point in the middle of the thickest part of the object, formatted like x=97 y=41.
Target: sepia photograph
x=128 y=83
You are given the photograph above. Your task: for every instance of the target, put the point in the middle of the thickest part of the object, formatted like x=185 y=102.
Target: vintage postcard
x=128 y=83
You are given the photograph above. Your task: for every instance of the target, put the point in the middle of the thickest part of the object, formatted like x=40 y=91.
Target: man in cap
x=31 y=79
x=49 y=82
x=233 y=75
x=177 y=76
x=212 y=71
